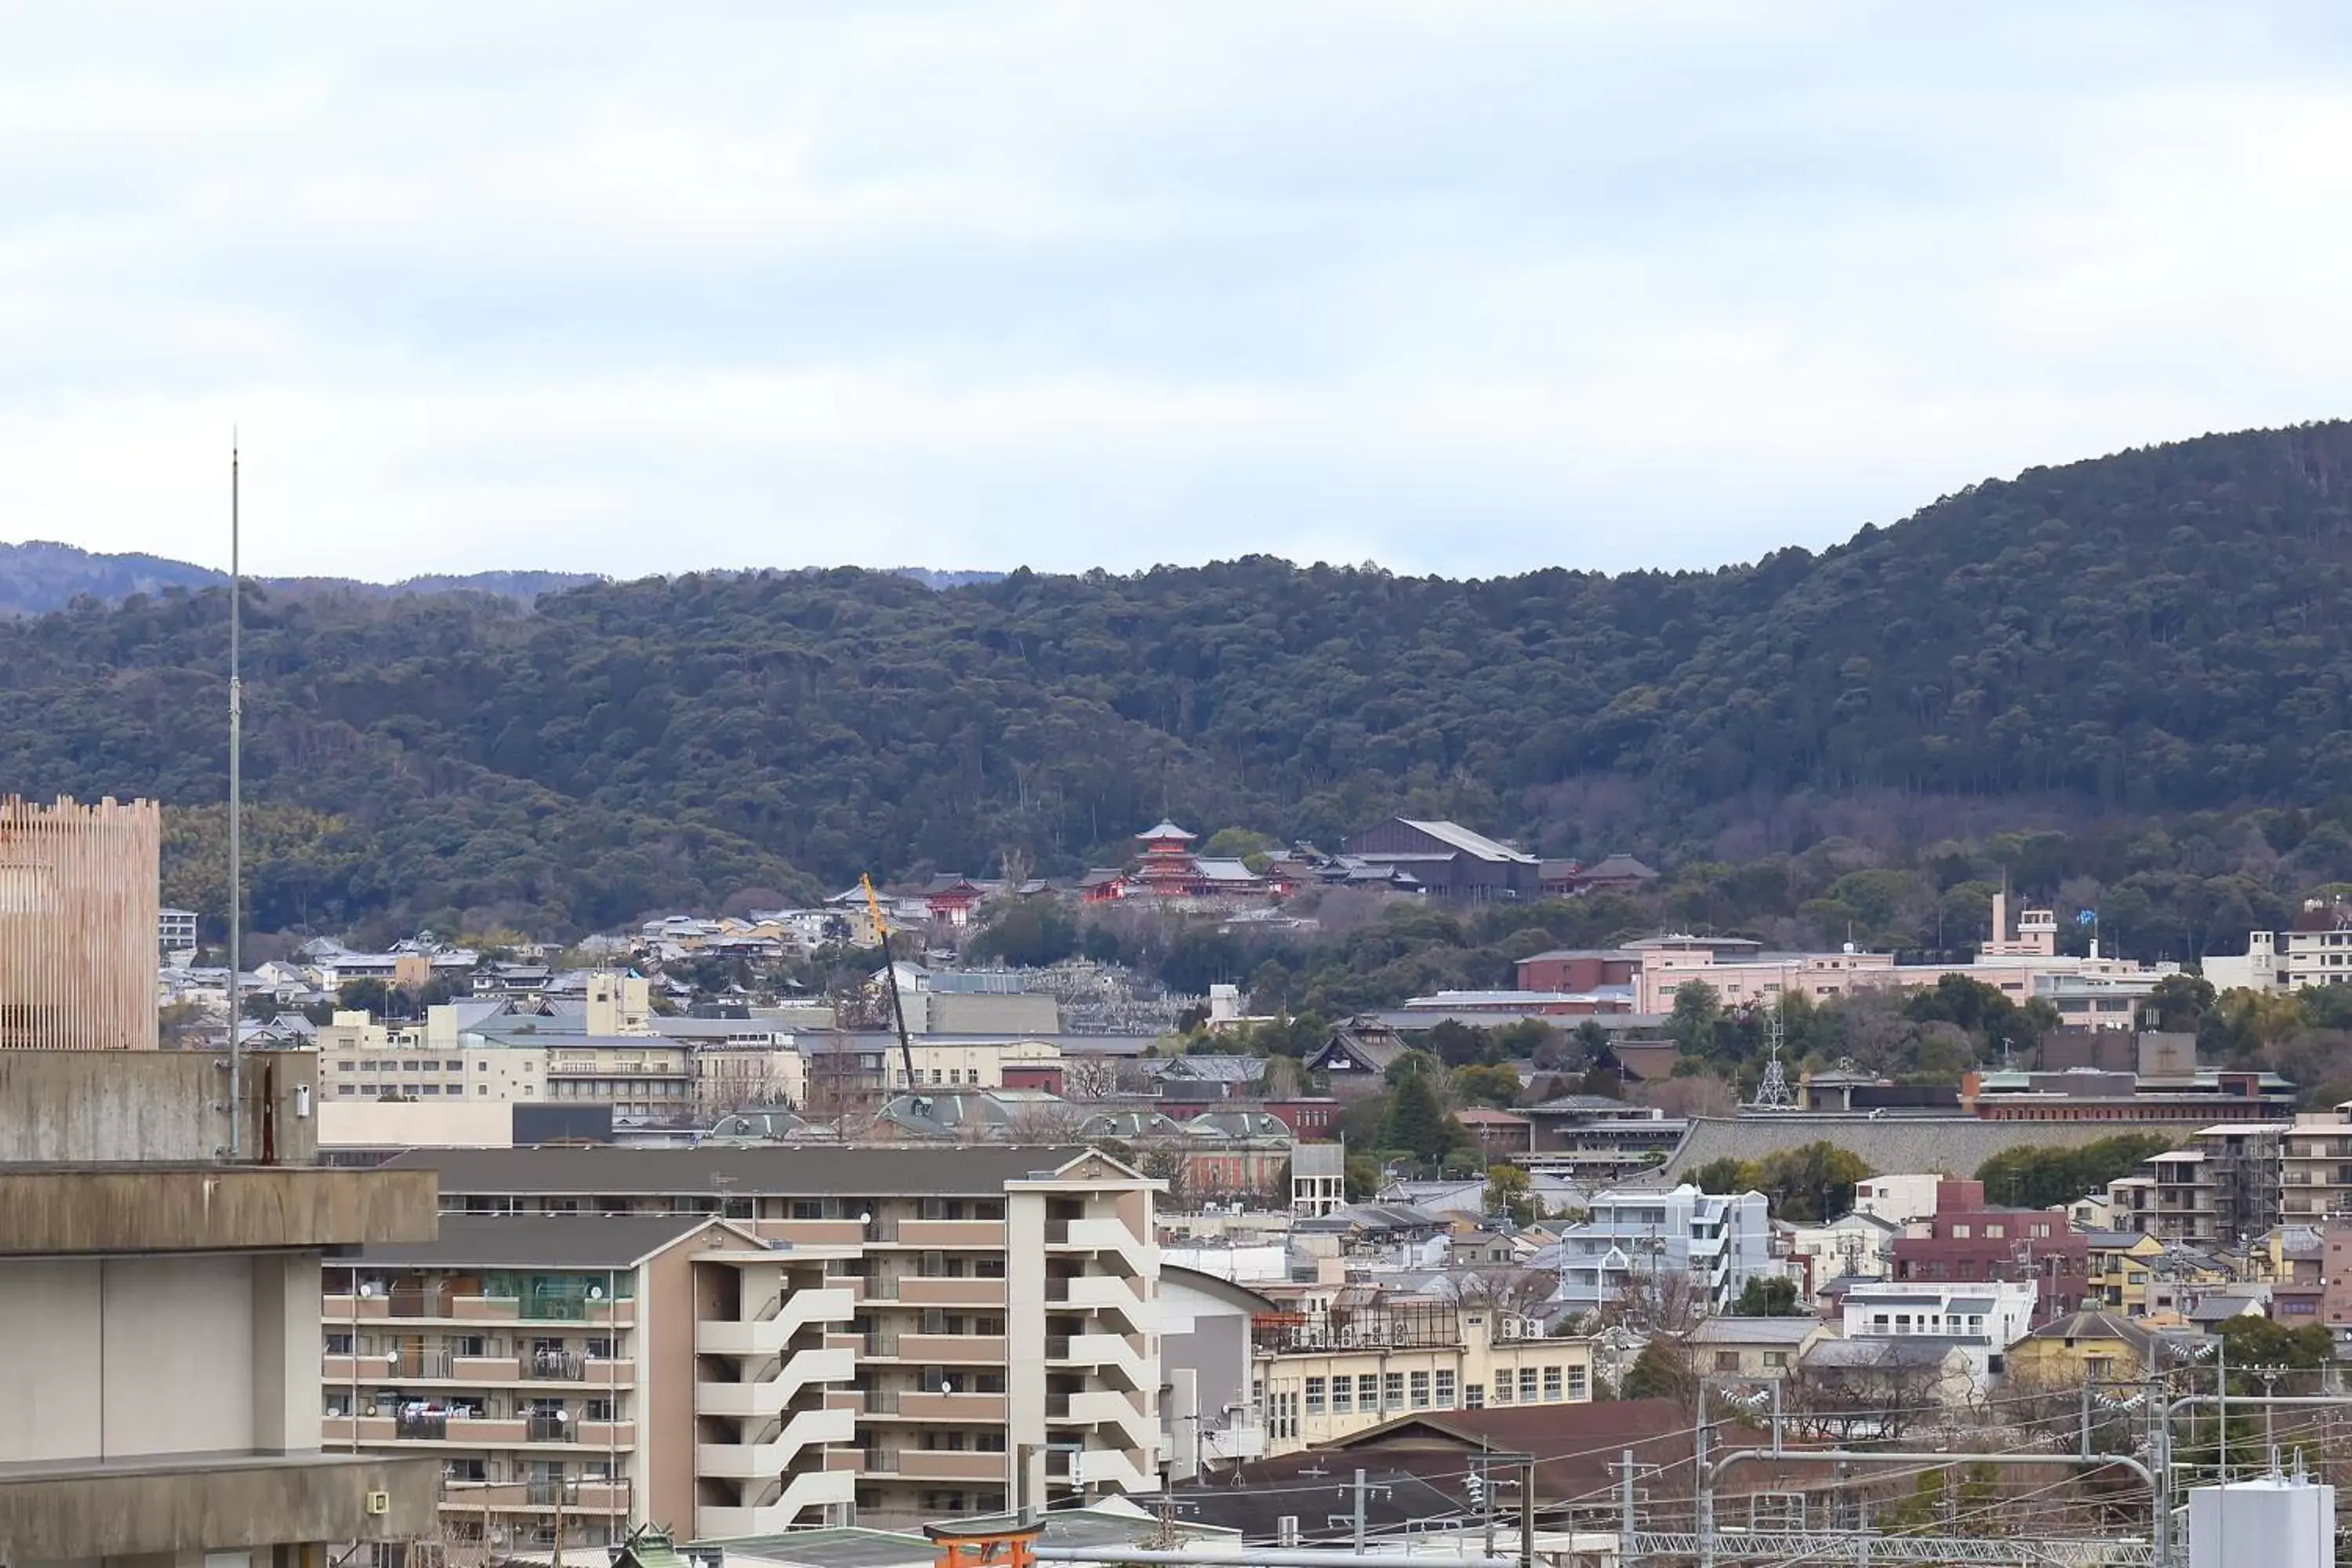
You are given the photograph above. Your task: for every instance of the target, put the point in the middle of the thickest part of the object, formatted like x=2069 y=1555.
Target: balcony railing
x=568 y=1367
x=547 y=1427
x=433 y=1425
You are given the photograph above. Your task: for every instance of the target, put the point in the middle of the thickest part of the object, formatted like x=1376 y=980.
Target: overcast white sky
x=1454 y=286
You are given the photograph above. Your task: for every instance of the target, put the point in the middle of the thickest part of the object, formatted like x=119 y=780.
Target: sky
x=1458 y=286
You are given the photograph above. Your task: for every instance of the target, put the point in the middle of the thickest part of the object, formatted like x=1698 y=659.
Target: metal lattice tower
x=1772 y=1093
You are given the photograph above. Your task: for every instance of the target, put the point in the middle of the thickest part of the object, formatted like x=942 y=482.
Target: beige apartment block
x=2316 y=1166
x=578 y=1375
x=77 y=902
x=1004 y=1305
x=1319 y=1377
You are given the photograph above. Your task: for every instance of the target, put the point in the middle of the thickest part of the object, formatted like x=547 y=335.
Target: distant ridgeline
x=2099 y=646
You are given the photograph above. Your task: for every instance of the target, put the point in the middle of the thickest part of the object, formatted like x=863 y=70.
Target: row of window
x=427 y=1064
x=422 y=1091
x=1925 y=1323
x=1379 y=1394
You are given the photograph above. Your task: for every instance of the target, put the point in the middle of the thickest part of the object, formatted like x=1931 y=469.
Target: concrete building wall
x=118 y=1357
x=1025 y=1325
x=49 y=1358
x=112 y=1106
x=177 y=1356
x=665 y=1435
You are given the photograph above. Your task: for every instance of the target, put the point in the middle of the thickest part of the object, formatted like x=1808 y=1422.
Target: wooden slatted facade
x=79 y=891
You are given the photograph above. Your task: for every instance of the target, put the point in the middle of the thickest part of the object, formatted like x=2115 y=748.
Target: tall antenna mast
x=236 y=820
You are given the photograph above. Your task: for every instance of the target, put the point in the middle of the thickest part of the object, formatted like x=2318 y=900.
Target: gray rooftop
x=541 y=1241
x=1728 y=1331
x=897 y=1170
x=1885 y=1143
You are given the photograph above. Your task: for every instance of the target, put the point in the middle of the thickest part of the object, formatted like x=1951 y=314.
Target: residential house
x=1760 y=1348
x=2106 y=1347
x=1978 y=1322
x=1901 y=1199
x=1854 y=1244
x=2121 y=1264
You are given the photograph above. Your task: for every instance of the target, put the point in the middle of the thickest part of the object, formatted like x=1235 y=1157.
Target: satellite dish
x=865 y=1216
x=595 y=1293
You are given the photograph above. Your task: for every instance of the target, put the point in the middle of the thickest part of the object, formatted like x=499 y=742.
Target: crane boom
x=890 y=970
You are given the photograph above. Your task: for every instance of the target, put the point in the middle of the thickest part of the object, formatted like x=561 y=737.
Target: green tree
x=1725 y=1174
x=1508 y=1194
x=1663 y=1371
x=1768 y=1297
x=1696 y=1012
x=1416 y=1123
x=1497 y=1086
x=1813 y=1183
x=2037 y=1176
x=2177 y=1003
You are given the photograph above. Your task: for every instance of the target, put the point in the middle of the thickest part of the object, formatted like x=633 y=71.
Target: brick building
x=1966 y=1240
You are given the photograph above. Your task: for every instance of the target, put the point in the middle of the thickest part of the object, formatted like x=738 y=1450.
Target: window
x=1995 y=1232
x=1551 y=1383
x=1343 y=1395
x=339 y=1344
x=1368 y=1394
x=1578 y=1386
x=1446 y=1388
x=1527 y=1385
x=1776 y=1358
x=1421 y=1391
x=808 y=1208
x=1315 y=1397
x=1960 y=1232
x=1502 y=1388
x=454 y=1066
x=1392 y=1392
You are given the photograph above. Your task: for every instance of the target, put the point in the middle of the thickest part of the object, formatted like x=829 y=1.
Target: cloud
x=1459 y=288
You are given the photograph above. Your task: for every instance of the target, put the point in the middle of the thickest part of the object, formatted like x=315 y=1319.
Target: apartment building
x=951 y=1258
x=2316 y=1166
x=578 y=1375
x=1718 y=1242
x=2318 y=951
x=2223 y=1188
x=1317 y=1377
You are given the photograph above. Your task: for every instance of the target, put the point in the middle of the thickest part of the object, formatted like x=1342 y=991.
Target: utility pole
x=1699 y=1455
x=1625 y=1520
x=1527 y=1512
x=1360 y=1515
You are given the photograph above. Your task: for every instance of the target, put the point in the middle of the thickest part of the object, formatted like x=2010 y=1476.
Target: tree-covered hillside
x=2094 y=646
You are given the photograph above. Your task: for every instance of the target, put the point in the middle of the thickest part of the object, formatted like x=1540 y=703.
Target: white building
x=1978 y=1320
x=2291 y=960
x=1721 y=1242
x=1899 y=1200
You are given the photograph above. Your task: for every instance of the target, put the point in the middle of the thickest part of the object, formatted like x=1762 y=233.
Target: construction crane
x=890 y=970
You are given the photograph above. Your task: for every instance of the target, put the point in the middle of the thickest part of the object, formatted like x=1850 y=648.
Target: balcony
x=813 y=1232
x=952 y=1349
x=1129 y=1425
x=919 y=1290
x=948 y=1464
x=943 y=1407
x=1105 y=1351
x=980 y=1235
x=344 y=1429
x=355 y=1369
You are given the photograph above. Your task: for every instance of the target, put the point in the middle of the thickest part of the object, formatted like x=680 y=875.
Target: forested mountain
x=39 y=575
x=2104 y=647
